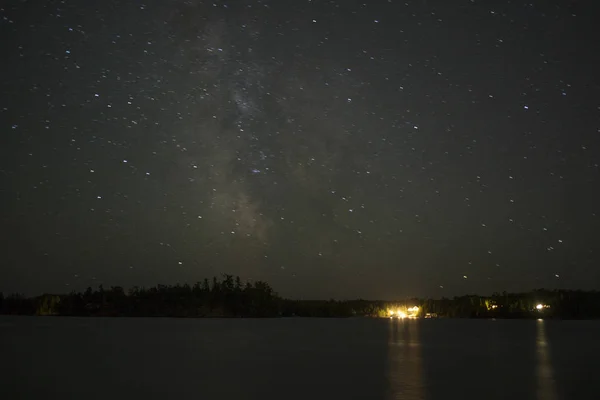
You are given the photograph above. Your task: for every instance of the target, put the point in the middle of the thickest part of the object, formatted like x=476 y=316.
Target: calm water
x=79 y=358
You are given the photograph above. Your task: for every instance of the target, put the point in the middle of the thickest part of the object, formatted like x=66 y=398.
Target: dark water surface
x=111 y=358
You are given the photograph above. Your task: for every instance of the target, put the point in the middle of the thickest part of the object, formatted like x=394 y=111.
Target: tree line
x=226 y=297
x=230 y=297
x=540 y=303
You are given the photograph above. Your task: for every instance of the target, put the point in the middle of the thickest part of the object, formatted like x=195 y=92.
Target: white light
x=539 y=306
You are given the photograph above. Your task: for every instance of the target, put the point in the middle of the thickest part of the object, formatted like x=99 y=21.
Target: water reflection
x=546 y=386
x=404 y=372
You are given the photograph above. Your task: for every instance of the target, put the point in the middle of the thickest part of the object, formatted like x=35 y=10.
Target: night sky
x=376 y=149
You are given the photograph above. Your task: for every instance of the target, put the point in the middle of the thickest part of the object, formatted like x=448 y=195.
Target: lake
x=297 y=358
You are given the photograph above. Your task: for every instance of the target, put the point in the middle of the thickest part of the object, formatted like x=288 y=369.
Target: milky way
x=335 y=149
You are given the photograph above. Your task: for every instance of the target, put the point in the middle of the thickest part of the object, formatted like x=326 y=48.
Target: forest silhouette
x=230 y=297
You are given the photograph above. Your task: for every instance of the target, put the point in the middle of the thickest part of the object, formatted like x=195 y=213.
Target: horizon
x=127 y=290
x=229 y=297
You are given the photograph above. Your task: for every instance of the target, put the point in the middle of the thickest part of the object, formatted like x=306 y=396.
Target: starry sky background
x=375 y=149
